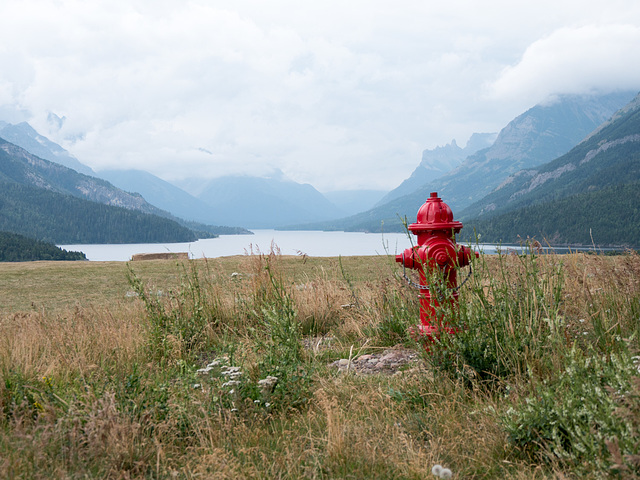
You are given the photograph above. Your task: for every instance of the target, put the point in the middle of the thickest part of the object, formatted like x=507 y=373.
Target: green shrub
x=280 y=350
x=178 y=323
x=572 y=418
x=505 y=325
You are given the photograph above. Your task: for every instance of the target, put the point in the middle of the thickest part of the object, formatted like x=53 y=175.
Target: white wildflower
x=197 y=385
x=231 y=371
x=204 y=371
x=218 y=361
x=436 y=470
x=445 y=473
x=267 y=404
x=230 y=383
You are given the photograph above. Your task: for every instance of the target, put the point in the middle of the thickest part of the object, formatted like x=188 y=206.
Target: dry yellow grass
x=80 y=396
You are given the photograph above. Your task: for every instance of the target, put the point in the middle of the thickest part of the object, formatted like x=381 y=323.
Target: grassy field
x=252 y=367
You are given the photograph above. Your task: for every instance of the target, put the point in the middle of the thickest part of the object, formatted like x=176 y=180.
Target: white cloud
x=337 y=94
x=575 y=60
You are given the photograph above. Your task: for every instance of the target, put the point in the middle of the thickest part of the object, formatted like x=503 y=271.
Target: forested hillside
x=63 y=219
x=591 y=195
x=606 y=217
x=18 y=248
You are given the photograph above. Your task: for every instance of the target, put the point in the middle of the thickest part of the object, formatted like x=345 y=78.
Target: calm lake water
x=312 y=243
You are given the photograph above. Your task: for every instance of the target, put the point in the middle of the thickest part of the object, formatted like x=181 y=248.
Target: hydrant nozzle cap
x=434 y=214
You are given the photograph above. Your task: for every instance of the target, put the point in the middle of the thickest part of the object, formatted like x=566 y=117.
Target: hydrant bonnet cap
x=434 y=214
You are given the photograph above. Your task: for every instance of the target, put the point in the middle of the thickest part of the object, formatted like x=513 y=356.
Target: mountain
x=162 y=194
x=59 y=218
x=438 y=161
x=38 y=198
x=539 y=135
x=265 y=202
x=19 y=166
x=591 y=191
x=23 y=135
x=172 y=202
x=351 y=202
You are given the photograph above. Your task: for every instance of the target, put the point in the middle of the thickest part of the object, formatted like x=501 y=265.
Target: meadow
x=251 y=367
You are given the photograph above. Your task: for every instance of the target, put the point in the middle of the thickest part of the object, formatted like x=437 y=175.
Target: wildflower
x=197 y=385
x=231 y=383
x=234 y=371
x=267 y=404
x=218 y=361
x=204 y=371
x=441 y=472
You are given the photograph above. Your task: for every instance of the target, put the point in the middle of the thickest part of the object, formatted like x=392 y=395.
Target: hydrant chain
x=426 y=287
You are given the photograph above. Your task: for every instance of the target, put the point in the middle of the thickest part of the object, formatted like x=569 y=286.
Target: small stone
x=343 y=362
x=365 y=358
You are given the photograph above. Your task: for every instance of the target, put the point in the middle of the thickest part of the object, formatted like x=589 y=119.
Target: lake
x=311 y=243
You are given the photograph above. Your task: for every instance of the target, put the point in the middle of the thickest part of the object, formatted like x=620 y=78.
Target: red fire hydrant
x=436 y=253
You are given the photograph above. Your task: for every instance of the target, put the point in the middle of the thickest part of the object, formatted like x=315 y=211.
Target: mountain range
x=590 y=195
x=23 y=135
x=266 y=202
x=48 y=201
x=438 y=162
x=543 y=156
x=539 y=135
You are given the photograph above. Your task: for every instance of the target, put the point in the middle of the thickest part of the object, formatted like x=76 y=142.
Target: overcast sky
x=341 y=94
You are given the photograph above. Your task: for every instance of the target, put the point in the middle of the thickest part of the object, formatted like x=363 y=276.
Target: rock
x=388 y=362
